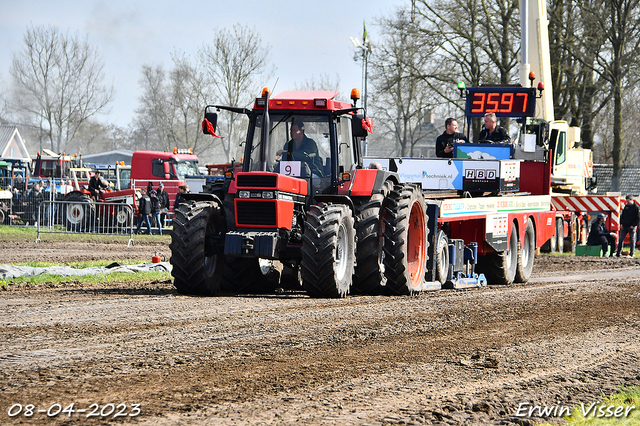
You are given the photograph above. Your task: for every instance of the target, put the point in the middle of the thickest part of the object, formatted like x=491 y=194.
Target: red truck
x=153 y=167
x=170 y=168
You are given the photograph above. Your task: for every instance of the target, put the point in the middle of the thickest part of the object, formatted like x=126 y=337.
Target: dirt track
x=448 y=357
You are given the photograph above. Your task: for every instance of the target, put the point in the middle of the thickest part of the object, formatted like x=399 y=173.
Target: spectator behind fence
x=65 y=187
x=155 y=209
x=144 y=211
x=20 y=184
x=36 y=197
x=163 y=198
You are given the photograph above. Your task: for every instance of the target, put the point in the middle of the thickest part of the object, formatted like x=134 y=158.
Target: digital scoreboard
x=502 y=101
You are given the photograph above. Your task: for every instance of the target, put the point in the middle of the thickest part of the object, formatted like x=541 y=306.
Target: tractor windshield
x=300 y=145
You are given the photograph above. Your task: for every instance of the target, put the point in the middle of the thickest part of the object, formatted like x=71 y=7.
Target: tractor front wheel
x=328 y=251
x=196 y=248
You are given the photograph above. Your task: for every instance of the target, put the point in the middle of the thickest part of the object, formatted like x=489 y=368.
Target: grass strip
x=603 y=412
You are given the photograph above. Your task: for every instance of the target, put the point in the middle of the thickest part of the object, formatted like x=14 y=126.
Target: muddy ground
x=448 y=357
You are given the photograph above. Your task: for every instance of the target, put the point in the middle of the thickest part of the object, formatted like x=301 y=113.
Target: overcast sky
x=307 y=38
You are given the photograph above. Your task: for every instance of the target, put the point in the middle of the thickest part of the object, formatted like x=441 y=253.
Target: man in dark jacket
x=182 y=189
x=155 y=209
x=444 y=142
x=599 y=235
x=97 y=184
x=629 y=220
x=301 y=148
x=163 y=198
x=144 y=211
x=492 y=132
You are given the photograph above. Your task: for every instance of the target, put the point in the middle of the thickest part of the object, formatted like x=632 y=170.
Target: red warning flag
x=208 y=127
x=367 y=124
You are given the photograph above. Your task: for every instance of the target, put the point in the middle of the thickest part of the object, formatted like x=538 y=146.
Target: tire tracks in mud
x=280 y=359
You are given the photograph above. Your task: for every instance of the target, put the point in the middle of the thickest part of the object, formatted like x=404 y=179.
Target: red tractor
x=108 y=210
x=335 y=226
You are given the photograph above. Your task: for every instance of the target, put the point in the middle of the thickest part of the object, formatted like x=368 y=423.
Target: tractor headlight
x=267 y=195
x=244 y=194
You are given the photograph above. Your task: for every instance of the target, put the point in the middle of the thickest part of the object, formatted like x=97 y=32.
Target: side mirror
x=212 y=118
x=167 y=170
x=357 y=129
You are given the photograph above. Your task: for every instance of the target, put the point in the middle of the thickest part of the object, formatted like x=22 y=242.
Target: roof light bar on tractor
x=320 y=103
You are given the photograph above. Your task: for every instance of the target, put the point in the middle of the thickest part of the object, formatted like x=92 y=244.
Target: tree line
x=421 y=52
x=428 y=47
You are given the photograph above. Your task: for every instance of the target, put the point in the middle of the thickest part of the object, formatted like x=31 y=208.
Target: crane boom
x=534 y=52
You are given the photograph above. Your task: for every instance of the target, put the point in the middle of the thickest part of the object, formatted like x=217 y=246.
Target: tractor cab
x=303 y=146
x=302 y=135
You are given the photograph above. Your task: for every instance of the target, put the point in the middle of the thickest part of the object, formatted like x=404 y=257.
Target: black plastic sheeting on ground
x=12 y=271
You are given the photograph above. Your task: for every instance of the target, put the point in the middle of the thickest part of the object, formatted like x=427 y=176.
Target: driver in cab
x=492 y=133
x=301 y=148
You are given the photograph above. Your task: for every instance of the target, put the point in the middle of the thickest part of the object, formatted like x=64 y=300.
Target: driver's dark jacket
x=500 y=134
x=308 y=147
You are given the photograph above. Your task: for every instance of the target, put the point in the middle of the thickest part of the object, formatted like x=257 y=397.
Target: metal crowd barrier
x=77 y=217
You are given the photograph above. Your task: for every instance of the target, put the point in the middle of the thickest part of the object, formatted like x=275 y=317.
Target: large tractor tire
x=250 y=275
x=526 y=254
x=500 y=267
x=369 y=275
x=79 y=212
x=441 y=257
x=405 y=240
x=123 y=218
x=328 y=251
x=197 y=228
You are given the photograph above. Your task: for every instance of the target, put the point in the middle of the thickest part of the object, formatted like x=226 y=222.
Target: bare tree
x=321 y=82
x=187 y=85
x=474 y=41
x=401 y=97
x=580 y=92
x=151 y=123
x=236 y=62
x=621 y=22
x=58 y=83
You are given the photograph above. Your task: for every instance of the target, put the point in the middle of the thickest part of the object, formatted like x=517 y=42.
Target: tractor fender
x=367 y=182
x=335 y=199
x=201 y=196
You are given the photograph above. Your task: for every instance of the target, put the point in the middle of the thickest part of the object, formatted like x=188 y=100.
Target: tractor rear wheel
x=196 y=248
x=406 y=243
x=500 y=267
x=328 y=251
x=79 y=212
x=369 y=271
x=526 y=254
